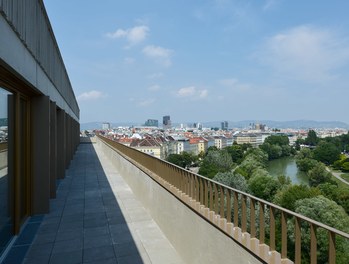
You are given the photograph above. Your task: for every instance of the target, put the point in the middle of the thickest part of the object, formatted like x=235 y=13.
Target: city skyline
x=205 y=60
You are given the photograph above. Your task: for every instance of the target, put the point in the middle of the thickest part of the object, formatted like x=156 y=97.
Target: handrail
x=210 y=198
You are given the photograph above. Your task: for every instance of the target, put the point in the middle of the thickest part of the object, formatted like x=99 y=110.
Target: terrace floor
x=97 y=219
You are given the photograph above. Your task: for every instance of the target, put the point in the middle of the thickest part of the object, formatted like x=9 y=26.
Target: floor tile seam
x=102 y=162
x=83 y=236
x=123 y=208
x=60 y=219
x=133 y=229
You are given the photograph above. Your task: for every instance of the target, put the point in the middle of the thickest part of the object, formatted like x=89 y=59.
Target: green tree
x=264 y=186
x=304 y=153
x=318 y=175
x=288 y=197
x=233 y=180
x=328 y=212
x=183 y=160
x=298 y=143
x=236 y=153
x=259 y=155
x=311 y=139
x=248 y=166
x=214 y=162
x=273 y=151
x=345 y=166
x=279 y=140
x=304 y=160
x=339 y=194
x=306 y=164
x=326 y=152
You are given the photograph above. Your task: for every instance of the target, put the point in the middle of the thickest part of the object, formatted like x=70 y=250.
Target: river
x=287 y=166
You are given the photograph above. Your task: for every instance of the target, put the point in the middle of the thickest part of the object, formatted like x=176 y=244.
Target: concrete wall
x=195 y=239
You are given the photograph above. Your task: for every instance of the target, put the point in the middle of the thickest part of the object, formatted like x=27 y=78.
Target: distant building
x=183 y=145
x=166 y=122
x=199 y=126
x=149 y=146
x=220 y=142
x=198 y=145
x=106 y=126
x=224 y=125
x=152 y=123
x=248 y=138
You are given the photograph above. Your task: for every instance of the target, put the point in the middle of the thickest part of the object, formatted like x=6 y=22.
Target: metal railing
x=273 y=233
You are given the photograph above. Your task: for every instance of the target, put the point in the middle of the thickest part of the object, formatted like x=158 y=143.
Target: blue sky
x=207 y=60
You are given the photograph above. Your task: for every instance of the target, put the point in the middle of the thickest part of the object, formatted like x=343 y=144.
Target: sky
x=207 y=60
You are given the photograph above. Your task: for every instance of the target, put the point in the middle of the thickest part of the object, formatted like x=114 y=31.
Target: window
x=6 y=169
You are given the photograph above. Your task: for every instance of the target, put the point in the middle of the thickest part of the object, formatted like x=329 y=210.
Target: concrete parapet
x=184 y=223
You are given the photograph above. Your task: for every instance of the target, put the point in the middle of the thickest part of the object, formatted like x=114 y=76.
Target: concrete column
x=41 y=151
x=68 y=140
x=53 y=149
x=61 y=143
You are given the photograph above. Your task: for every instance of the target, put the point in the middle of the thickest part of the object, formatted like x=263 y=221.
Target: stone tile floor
x=97 y=219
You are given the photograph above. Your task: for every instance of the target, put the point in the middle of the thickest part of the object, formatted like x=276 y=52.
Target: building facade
x=166 y=122
x=151 y=123
x=39 y=115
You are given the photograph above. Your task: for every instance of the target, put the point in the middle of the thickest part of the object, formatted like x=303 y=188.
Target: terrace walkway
x=97 y=219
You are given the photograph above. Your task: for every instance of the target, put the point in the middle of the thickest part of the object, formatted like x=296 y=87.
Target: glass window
x=6 y=179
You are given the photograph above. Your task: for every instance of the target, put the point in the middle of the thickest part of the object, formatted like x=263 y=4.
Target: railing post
x=221 y=190
x=236 y=209
x=272 y=228
x=229 y=206
x=298 y=244
x=283 y=235
x=313 y=244
x=243 y=214
x=252 y=217
x=197 y=189
x=261 y=223
x=215 y=198
x=201 y=191
x=206 y=193
x=331 y=247
x=211 y=196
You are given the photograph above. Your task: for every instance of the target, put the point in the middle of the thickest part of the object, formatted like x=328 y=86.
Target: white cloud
x=154 y=88
x=91 y=95
x=191 y=92
x=159 y=54
x=146 y=102
x=235 y=85
x=133 y=35
x=306 y=53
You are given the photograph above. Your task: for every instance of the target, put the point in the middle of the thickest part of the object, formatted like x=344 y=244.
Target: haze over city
x=205 y=60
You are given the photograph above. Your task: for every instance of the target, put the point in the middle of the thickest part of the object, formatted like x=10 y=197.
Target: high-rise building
x=152 y=123
x=224 y=125
x=106 y=126
x=166 y=122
